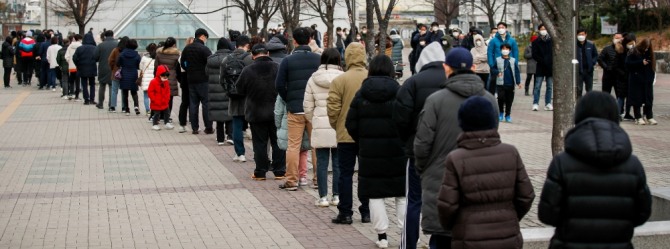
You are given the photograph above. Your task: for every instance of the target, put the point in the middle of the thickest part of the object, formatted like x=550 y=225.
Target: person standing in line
x=129 y=62
x=641 y=64
x=507 y=75
x=159 y=93
x=339 y=43
x=17 y=62
x=587 y=55
x=324 y=137
x=408 y=104
x=502 y=37
x=7 y=59
x=26 y=52
x=41 y=62
x=543 y=54
x=382 y=160
x=74 y=80
x=340 y=95
x=612 y=60
x=168 y=55
x=51 y=56
x=419 y=41
x=291 y=82
x=64 y=68
x=486 y=190
x=147 y=72
x=86 y=68
x=237 y=60
x=480 y=59
x=596 y=191
x=256 y=85
x=101 y=55
x=437 y=135
x=194 y=60
x=531 y=64
x=113 y=57
x=218 y=99
x=629 y=41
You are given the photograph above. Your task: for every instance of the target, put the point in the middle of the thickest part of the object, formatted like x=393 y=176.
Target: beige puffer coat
x=315 y=106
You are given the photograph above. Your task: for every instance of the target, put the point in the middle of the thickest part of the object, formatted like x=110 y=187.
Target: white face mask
x=445 y=43
x=502 y=31
x=581 y=38
x=543 y=32
x=435 y=29
x=630 y=46
x=422 y=32
x=455 y=34
x=479 y=43
x=505 y=52
x=615 y=41
x=422 y=43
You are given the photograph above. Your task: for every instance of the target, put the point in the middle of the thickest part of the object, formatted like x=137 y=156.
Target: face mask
x=581 y=38
x=455 y=34
x=422 y=32
x=502 y=31
x=445 y=43
x=435 y=29
x=479 y=43
x=422 y=43
x=630 y=46
x=358 y=38
x=615 y=41
x=365 y=31
x=505 y=52
x=543 y=32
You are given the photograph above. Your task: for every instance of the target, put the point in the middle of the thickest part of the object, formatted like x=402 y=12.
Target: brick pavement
x=75 y=176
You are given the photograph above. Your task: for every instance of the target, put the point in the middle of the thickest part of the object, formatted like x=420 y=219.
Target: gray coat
x=218 y=99
x=437 y=135
x=531 y=64
x=236 y=103
x=101 y=55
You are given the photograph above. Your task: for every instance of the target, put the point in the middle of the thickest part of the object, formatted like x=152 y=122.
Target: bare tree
x=490 y=8
x=290 y=13
x=255 y=10
x=445 y=10
x=373 y=9
x=267 y=14
x=326 y=10
x=80 y=11
x=558 y=17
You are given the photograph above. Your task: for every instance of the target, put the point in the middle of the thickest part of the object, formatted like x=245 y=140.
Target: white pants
x=380 y=220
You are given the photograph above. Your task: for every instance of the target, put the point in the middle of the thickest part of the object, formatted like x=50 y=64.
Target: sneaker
x=151 y=120
x=148 y=113
x=94 y=103
x=65 y=97
x=302 y=181
x=257 y=178
x=247 y=134
x=99 y=107
x=156 y=128
x=287 y=187
x=322 y=202
x=220 y=143
x=182 y=129
x=549 y=107
x=628 y=117
x=640 y=121
x=508 y=119
x=209 y=131
x=382 y=243
x=501 y=117
x=53 y=89
x=535 y=107
x=341 y=219
x=127 y=113
x=652 y=121
x=195 y=132
x=242 y=159
x=137 y=111
x=169 y=126
x=335 y=201
x=229 y=141
x=87 y=103
x=77 y=99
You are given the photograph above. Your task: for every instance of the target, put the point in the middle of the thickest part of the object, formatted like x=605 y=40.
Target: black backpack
x=231 y=68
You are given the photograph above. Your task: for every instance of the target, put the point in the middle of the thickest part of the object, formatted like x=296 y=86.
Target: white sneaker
x=535 y=107
x=335 y=201
x=247 y=134
x=182 y=129
x=239 y=158
x=156 y=128
x=66 y=98
x=322 y=202
x=382 y=243
x=220 y=143
x=549 y=107
x=302 y=181
x=169 y=126
x=640 y=121
x=652 y=121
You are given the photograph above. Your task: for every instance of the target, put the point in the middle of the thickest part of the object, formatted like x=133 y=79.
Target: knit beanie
x=477 y=114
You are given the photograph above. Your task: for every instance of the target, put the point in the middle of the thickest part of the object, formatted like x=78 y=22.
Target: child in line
x=159 y=94
x=508 y=75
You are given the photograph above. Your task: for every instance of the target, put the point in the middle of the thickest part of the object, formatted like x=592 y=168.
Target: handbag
x=139 y=79
x=117 y=74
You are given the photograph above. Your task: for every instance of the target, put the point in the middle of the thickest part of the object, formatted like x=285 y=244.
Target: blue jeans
x=536 y=89
x=199 y=95
x=113 y=94
x=146 y=102
x=410 y=233
x=347 y=154
x=52 y=78
x=238 y=137
x=322 y=155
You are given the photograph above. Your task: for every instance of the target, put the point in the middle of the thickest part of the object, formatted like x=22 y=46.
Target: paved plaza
x=73 y=176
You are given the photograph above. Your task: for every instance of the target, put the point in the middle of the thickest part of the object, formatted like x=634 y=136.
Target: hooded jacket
x=413 y=93
x=531 y=64
x=544 y=56
x=256 y=84
x=381 y=158
x=315 y=106
x=129 y=62
x=494 y=50
x=218 y=99
x=170 y=58
x=236 y=103
x=101 y=55
x=294 y=71
x=26 y=48
x=70 y=53
x=436 y=136
x=479 y=56
x=277 y=49
x=343 y=89
x=159 y=91
x=396 y=54
x=596 y=191
x=52 y=53
x=485 y=193
x=84 y=59
x=147 y=69
x=7 y=55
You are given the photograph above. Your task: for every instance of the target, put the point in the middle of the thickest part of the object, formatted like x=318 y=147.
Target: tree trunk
x=253 y=27
x=492 y=23
x=82 y=28
x=369 y=37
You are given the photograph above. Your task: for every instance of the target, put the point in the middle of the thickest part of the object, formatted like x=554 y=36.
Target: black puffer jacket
x=194 y=61
x=369 y=122
x=83 y=58
x=596 y=191
x=256 y=83
x=218 y=99
x=294 y=71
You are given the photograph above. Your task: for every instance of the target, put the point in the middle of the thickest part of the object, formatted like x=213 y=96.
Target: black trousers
x=529 y=79
x=7 y=75
x=26 y=69
x=261 y=134
x=224 y=129
x=505 y=99
x=124 y=98
x=183 y=107
x=484 y=77
x=584 y=82
x=157 y=114
x=73 y=84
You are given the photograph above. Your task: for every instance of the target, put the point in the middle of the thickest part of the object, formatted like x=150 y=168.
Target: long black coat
x=129 y=62
x=7 y=55
x=640 y=79
x=544 y=56
x=218 y=99
x=596 y=191
x=84 y=58
x=256 y=84
x=370 y=123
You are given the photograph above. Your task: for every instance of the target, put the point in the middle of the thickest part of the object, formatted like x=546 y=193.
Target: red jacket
x=159 y=91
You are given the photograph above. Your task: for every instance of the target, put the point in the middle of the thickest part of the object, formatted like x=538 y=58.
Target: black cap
x=201 y=31
x=259 y=49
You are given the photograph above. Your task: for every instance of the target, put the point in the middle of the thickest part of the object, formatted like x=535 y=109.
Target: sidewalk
x=75 y=176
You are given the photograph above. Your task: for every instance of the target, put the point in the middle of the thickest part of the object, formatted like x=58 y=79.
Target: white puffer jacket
x=147 y=66
x=315 y=106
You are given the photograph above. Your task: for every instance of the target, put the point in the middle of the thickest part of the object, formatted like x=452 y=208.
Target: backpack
x=231 y=68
